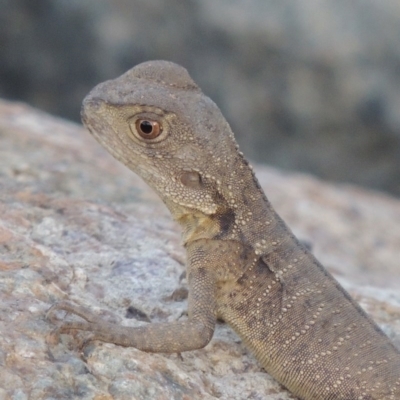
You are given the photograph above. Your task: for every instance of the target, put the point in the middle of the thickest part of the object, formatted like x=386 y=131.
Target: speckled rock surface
x=74 y=224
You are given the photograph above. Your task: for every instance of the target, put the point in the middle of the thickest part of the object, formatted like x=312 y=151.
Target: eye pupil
x=146 y=127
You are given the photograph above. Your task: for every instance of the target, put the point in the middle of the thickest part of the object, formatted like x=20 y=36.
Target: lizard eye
x=148 y=129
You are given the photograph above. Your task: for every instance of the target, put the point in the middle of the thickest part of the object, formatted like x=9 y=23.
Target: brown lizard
x=244 y=265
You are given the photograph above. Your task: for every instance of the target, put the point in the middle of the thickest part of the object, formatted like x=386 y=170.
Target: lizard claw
x=70 y=307
x=92 y=326
x=79 y=342
x=86 y=326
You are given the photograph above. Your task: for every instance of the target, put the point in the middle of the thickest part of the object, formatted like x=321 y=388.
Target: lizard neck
x=255 y=222
x=243 y=215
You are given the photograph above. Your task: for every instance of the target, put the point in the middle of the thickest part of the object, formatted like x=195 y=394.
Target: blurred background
x=306 y=85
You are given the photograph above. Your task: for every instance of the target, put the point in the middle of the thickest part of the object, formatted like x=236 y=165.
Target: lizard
x=244 y=265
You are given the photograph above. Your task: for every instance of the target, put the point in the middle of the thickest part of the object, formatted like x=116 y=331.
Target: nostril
x=93 y=103
x=83 y=117
x=90 y=105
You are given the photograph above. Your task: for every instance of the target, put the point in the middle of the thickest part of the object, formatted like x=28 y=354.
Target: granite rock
x=75 y=224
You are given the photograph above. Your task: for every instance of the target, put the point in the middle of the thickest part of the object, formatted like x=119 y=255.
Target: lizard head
x=156 y=120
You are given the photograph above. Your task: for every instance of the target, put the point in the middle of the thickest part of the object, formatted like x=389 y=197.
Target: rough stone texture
x=308 y=85
x=75 y=224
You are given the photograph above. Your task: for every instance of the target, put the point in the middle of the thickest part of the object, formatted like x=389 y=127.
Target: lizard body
x=244 y=264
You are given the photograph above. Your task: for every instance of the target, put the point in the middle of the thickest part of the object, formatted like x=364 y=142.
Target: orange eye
x=148 y=129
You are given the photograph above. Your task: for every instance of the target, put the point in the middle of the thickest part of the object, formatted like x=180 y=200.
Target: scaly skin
x=244 y=264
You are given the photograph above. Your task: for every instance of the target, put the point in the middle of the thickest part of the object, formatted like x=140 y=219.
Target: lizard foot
x=90 y=325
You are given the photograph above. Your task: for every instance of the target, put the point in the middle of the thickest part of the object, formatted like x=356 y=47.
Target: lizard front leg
x=170 y=337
